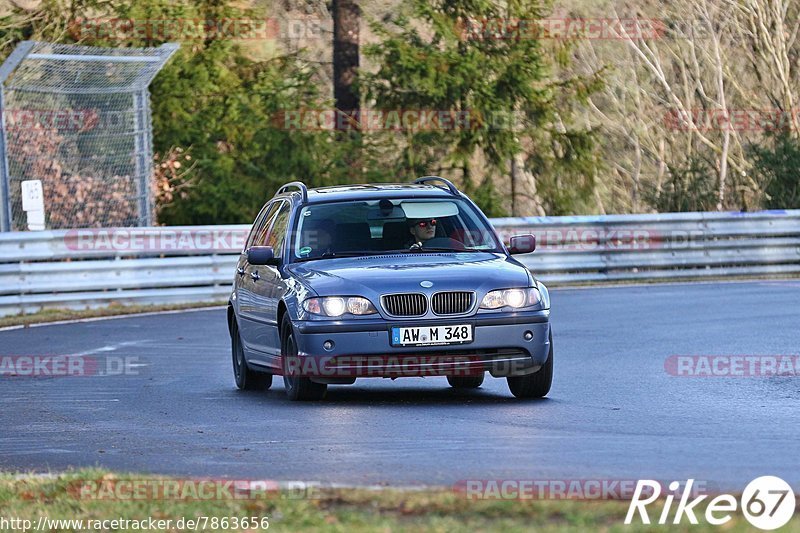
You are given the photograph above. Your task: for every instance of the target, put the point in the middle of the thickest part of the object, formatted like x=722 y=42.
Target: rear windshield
x=380 y=226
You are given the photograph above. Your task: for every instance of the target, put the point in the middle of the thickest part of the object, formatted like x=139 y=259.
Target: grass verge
x=56 y=315
x=64 y=496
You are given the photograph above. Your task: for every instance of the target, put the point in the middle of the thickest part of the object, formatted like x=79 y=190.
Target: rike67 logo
x=768 y=502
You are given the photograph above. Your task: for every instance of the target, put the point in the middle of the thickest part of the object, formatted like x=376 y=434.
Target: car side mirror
x=522 y=244
x=262 y=255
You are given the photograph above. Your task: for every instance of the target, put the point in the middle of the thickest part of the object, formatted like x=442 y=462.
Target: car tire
x=298 y=388
x=471 y=382
x=245 y=377
x=535 y=385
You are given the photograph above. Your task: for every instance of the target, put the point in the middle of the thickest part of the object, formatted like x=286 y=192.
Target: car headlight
x=515 y=298
x=338 y=305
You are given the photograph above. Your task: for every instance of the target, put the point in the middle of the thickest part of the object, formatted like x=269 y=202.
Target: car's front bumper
x=362 y=348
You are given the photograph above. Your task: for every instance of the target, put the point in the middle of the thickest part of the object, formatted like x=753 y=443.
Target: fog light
x=528 y=335
x=328 y=345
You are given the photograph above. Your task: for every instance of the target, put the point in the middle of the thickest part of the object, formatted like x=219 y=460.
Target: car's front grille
x=452 y=303
x=405 y=304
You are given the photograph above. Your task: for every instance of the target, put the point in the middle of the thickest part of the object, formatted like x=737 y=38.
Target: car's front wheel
x=298 y=388
x=459 y=382
x=246 y=378
x=535 y=385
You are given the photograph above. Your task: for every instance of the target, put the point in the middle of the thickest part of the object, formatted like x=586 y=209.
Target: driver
x=317 y=238
x=422 y=230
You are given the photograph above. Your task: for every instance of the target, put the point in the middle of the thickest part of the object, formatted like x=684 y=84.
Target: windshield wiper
x=423 y=249
x=362 y=253
x=348 y=253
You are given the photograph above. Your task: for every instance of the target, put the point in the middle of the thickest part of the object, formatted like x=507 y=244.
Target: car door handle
x=240 y=271
x=255 y=276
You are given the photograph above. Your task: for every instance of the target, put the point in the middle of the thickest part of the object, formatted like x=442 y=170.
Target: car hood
x=372 y=276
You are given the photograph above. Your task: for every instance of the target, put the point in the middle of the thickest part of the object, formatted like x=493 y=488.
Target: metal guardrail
x=92 y=268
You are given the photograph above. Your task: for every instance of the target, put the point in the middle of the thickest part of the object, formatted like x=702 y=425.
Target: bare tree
x=674 y=98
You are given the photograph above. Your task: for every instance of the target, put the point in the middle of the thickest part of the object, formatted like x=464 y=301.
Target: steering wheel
x=442 y=242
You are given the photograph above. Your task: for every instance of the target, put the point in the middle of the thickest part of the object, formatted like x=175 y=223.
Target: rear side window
x=261 y=225
x=277 y=233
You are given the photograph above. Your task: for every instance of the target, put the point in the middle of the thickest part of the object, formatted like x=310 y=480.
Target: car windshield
x=341 y=229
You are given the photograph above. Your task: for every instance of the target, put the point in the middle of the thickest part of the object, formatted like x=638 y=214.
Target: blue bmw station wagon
x=385 y=280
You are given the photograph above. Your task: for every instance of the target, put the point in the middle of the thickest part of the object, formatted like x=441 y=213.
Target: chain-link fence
x=77 y=119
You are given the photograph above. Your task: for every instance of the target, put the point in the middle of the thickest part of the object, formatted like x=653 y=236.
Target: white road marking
x=105 y=349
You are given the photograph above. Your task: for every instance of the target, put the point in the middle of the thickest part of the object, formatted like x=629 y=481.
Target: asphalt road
x=614 y=411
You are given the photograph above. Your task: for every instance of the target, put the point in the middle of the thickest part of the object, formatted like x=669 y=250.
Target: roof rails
x=300 y=185
x=425 y=179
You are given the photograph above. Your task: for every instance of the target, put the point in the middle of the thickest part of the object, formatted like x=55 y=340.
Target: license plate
x=432 y=335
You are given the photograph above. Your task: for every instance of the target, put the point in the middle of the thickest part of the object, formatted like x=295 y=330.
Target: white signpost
x=33 y=204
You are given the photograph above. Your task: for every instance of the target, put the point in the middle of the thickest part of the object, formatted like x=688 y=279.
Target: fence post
x=142 y=159
x=8 y=66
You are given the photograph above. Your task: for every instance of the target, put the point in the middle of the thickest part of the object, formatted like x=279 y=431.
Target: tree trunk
x=346 y=26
